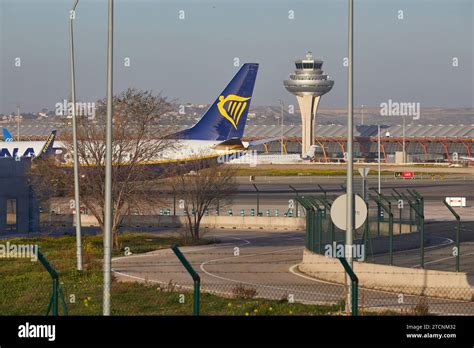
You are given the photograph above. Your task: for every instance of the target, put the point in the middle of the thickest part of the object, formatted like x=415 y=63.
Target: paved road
x=276 y=194
x=265 y=262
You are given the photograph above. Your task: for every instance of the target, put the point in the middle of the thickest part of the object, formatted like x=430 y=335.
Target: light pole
x=350 y=160
x=281 y=130
x=108 y=166
x=17 y=123
x=404 y=151
x=77 y=204
x=362 y=118
x=378 y=151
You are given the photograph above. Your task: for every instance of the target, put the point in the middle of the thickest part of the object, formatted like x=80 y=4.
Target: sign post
x=339 y=213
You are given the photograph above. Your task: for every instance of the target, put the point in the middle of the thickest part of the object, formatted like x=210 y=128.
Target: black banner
x=290 y=331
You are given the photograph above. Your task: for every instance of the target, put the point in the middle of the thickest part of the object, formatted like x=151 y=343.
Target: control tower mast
x=308 y=83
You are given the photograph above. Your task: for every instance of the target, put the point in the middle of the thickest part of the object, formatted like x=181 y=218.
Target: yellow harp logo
x=234 y=108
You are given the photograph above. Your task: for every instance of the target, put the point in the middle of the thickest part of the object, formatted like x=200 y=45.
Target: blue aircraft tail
x=227 y=116
x=6 y=135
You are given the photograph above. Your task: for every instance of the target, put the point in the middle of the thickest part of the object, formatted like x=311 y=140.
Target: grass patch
x=25 y=286
x=296 y=172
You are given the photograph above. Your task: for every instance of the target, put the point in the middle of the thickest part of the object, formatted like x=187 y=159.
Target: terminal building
x=19 y=211
x=424 y=143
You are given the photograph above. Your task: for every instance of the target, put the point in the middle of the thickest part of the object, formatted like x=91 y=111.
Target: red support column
x=382 y=147
x=324 y=151
x=446 y=150
x=423 y=147
x=468 y=149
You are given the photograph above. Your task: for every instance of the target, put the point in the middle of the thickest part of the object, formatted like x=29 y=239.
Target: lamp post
x=378 y=165
x=281 y=130
x=108 y=166
x=350 y=160
x=77 y=204
x=18 y=123
x=404 y=151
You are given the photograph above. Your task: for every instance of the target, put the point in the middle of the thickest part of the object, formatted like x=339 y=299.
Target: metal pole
x=404 y=151
x=458 y=234
x=349 y=188
x=258 y=199
x=390 y=234
x=174 y=203
x=281 y=130
x=362 y=120
x=18 y=123
x=400 y=221
x=108 y=166
x=77 y=203
x=378 y=150
x=422 y=242
x=458 y=242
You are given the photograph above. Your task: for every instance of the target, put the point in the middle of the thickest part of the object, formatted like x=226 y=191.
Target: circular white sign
x=339 y=211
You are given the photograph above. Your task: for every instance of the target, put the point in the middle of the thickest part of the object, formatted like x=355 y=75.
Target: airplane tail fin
x=7 y=135
x=48 y=146
x=226 y=117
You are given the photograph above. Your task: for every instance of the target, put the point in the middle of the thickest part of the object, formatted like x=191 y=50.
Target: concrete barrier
x=63 y=220
x=384 y=227
x=228 y=222
x=449 y=285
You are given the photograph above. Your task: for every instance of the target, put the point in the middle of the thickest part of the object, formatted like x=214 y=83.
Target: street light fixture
x=350 y=160
x=77 y=203
x=108 y=167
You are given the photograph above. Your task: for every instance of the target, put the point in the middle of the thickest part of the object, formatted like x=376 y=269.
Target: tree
x=203 y=186
x=137 y=140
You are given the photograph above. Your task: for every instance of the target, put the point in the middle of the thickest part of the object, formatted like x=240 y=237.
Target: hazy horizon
x=191 y=60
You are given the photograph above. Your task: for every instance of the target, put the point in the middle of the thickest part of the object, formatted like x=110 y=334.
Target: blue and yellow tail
x=227 y=116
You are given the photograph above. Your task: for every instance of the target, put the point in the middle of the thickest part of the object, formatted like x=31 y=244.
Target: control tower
x=308 y=83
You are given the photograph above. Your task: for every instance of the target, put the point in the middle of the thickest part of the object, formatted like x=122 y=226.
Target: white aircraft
x=29 y=149
x=218 y=133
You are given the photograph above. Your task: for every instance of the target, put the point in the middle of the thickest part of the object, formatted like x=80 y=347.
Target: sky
x=192 y=59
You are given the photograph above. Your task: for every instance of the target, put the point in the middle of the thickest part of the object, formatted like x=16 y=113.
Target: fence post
x=354 y=287
x=57 y=291
x=325 y=196
x=390 y=227
x=458 y=234
x=309 y=222
x=400 y=220
x=367 y=239
x=194 y=275
x=327 y=207
x=258 y=199
x=296 y=203
x=320 y=230
x=390 y=223
x=421 y=227
x=174 y=203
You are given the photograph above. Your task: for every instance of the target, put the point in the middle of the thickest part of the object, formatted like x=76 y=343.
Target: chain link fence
x=242 y=285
